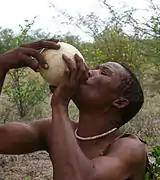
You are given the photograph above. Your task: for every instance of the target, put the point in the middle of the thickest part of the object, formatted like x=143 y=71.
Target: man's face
x=101 y=89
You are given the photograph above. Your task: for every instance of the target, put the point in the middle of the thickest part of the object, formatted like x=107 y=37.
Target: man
x=107 y=96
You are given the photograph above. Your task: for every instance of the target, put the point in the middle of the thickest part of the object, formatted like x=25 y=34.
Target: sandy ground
x=36 y=166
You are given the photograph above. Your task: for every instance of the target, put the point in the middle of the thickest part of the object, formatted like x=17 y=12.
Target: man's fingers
x=48 y=44
x=31 y=62
x=70 y=64
x=82 y=69
x=77 y=57
x=53 y=39
x=33 y=53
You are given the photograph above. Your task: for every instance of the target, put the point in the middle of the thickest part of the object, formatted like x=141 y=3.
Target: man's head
x=131 y=90
x=111 y=86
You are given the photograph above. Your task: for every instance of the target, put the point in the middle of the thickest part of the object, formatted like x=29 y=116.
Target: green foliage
x=154 y=167
x=115 y=45
x=138 y=50
x=23 y=90
x=28 y=178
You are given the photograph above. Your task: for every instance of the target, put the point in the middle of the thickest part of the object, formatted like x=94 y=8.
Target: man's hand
x=27 y=55
x=75 y=75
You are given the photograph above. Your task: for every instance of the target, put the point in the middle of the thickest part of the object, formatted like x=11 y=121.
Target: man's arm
x=20 y=138
x=125 y=158
x=68 y=160
x=23 y=57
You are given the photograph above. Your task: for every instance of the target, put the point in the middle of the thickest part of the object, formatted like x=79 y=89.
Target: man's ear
x=121 y=102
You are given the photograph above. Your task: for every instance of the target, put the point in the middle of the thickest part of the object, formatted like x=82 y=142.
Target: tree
x=23 y=89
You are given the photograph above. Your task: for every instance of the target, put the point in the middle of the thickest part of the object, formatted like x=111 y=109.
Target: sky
x=14 y=12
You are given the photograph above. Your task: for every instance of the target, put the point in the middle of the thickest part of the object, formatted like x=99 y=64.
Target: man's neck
x=95 y=123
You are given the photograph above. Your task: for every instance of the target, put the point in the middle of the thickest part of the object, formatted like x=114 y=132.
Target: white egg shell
x=54 y=73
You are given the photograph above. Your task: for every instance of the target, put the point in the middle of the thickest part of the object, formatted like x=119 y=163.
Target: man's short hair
x=131 y=90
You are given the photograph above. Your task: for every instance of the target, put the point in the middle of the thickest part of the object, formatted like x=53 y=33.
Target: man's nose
x=94 y=72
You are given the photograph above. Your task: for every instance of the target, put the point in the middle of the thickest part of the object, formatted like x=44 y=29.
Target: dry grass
x=36 y=166
x=147 y=123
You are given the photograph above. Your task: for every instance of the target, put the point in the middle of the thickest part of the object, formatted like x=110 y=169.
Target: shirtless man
x=107 y=97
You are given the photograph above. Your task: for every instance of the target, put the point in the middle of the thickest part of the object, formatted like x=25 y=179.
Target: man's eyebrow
x=106 y=67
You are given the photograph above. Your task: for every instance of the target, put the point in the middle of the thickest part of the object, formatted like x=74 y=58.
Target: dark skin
x=95 y=94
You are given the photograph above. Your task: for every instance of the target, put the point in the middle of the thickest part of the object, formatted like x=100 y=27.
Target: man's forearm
x=69 y=161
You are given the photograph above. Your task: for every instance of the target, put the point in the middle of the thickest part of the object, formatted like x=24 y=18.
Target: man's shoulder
x=126 y=159
x=129 y=147
x=129 y=142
